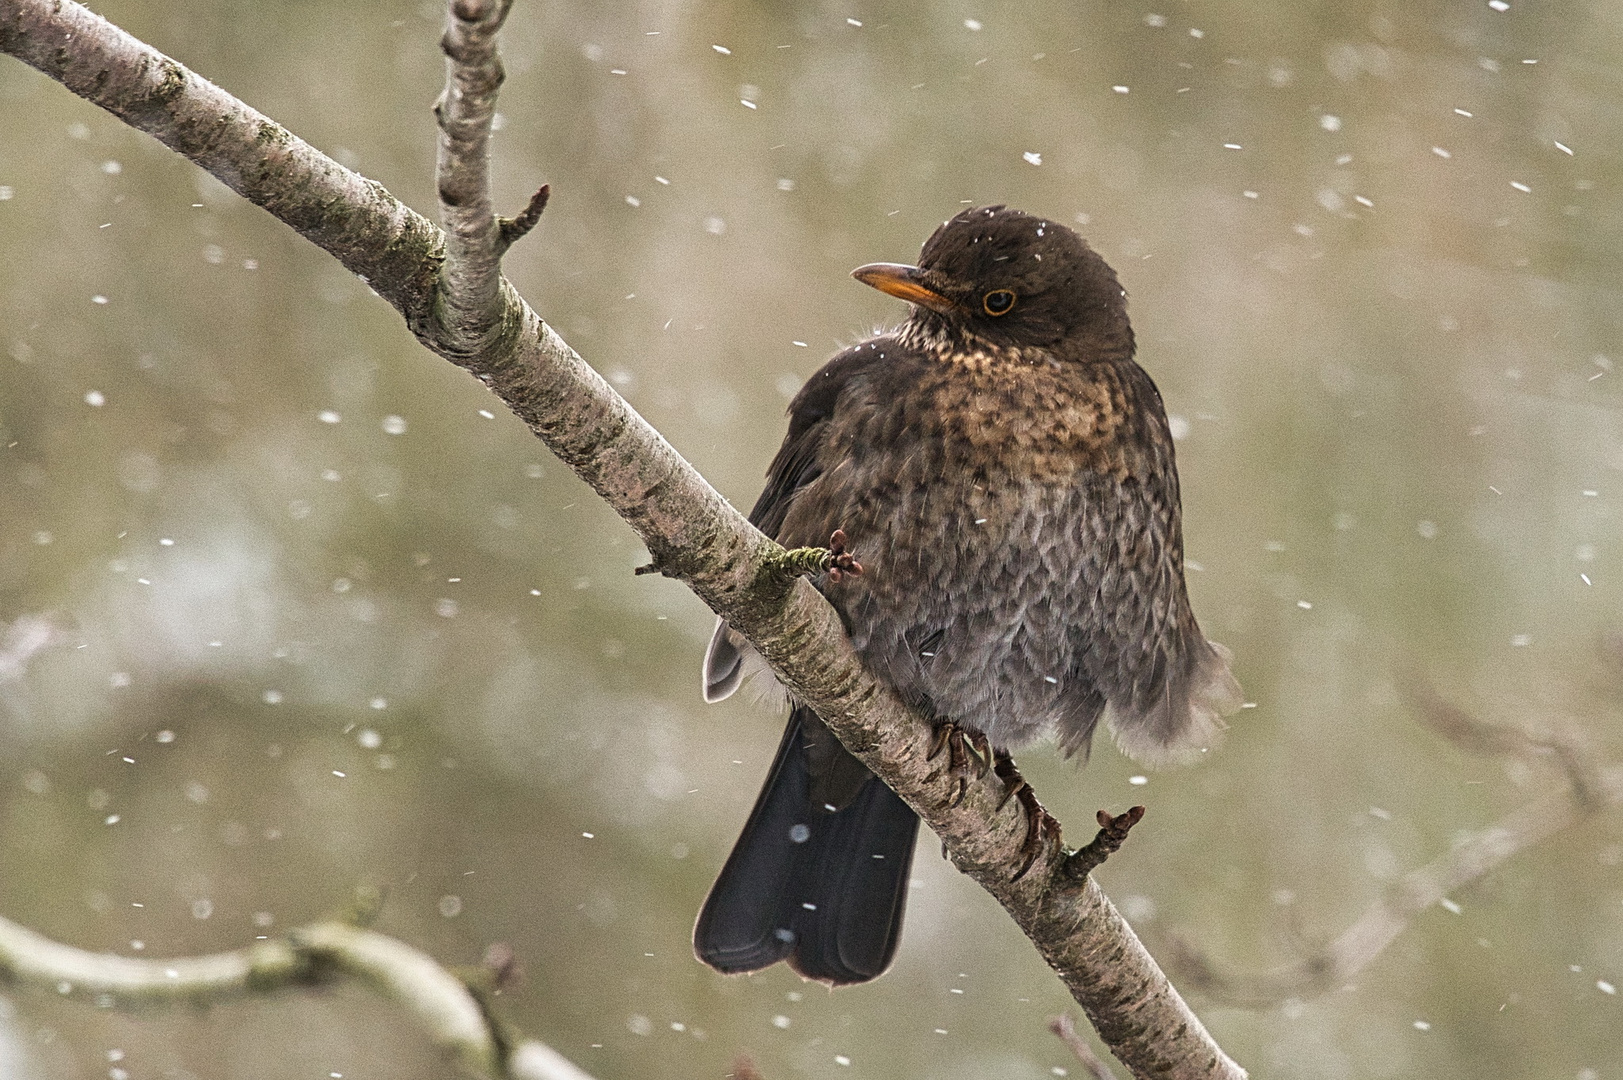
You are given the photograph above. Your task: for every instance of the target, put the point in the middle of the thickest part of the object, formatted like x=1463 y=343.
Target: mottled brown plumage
x=1004 y=473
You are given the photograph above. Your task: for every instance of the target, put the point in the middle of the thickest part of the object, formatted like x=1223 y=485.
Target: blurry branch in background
x=27 y=637
x=318 y=955
x=1065 y=1028
x=1586 y=787
x=744 y=1069
x=449 y=288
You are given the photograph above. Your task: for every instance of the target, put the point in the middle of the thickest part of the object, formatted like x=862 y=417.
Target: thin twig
x=1065 y=1028
x=691 y=532
x=515 y=229
x=1111 y=836
x=321 y=953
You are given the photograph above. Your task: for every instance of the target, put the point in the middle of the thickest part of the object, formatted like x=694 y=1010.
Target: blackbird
x=1002 y=473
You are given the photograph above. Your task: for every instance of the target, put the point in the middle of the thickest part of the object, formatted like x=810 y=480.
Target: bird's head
x=1013 y=280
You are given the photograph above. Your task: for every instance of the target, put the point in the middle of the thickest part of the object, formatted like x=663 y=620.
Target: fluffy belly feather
x=974 y=621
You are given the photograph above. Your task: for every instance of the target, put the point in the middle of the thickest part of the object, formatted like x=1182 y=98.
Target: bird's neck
x=949 y=342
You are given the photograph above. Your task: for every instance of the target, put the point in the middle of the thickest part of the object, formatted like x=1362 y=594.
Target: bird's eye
x=998 y=302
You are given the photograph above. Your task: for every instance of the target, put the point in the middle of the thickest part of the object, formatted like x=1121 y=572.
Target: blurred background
x=329 y=616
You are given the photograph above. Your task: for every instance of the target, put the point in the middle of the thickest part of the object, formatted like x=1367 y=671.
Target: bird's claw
x=1041 y=828
x=982 y=746
x=1041 y=831
x=839 y=562
x=969 y=754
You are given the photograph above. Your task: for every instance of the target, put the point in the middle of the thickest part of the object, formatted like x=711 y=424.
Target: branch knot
x=515 y=229
x=1112 y=834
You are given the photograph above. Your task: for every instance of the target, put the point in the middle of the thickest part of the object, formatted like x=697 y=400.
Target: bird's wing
x=1144 y=666
x=795 y=466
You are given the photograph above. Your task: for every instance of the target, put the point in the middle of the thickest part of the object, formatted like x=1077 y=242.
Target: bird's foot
x=840 y=562
x=1112 y=834
x=969 y=755
x=834 y=560
x=1041 y=828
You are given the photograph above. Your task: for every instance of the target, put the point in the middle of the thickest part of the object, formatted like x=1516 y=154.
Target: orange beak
x=903 y=281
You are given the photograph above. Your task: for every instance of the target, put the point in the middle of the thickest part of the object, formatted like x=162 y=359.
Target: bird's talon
x=839 y=562
x=1011 y=790
x=1013 y=783
x=964 y=759
x=1040 y=824
x=983 y=752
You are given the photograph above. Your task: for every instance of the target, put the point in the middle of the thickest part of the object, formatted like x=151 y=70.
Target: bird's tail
x=818 y=883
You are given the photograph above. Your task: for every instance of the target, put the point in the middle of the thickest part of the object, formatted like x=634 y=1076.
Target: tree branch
x=470 y=285
x=443 y=285
x=1588 y=790
x=314 y=955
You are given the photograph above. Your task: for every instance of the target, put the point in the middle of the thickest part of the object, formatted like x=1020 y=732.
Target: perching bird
x=1003 y=473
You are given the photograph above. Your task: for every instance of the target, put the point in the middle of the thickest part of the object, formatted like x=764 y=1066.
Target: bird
x=995 y=481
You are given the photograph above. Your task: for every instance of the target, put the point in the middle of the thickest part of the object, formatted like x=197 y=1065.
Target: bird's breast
x=1038 y=420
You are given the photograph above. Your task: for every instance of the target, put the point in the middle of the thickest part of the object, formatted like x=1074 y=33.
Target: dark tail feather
x=823 y=890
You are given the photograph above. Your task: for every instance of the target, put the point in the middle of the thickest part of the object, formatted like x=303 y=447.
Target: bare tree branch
x=314 y=955
x=470 y=285
x=449 y=290
x=1589 y=789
